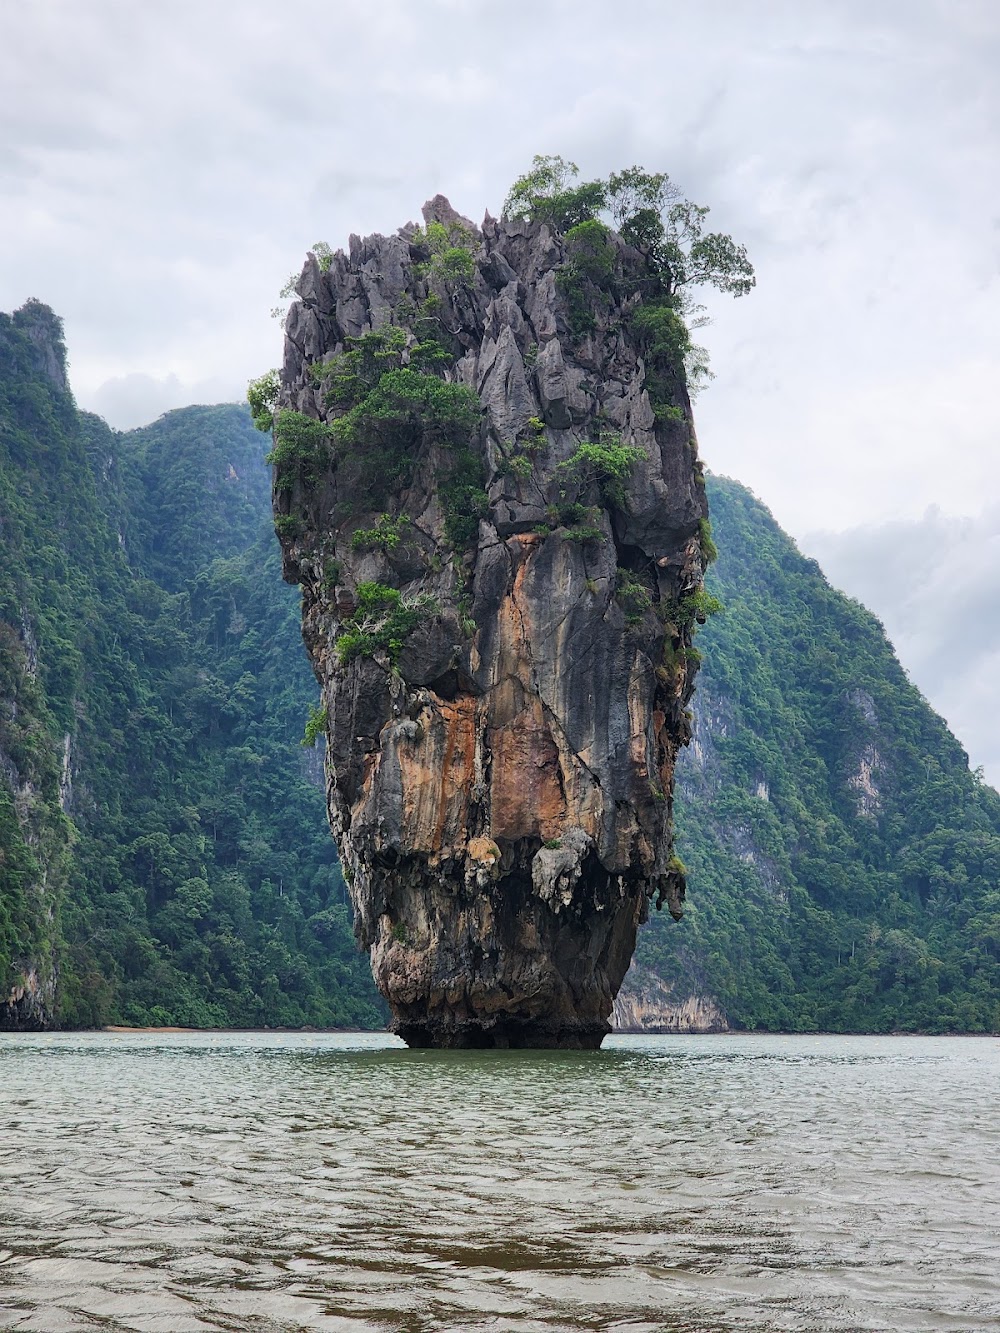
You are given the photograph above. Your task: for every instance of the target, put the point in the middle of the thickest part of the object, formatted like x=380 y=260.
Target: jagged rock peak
x=439 y=209
x=44 y=331
x=488 y=488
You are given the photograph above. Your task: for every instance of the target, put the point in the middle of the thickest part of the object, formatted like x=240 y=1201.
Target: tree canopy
x=649 y=213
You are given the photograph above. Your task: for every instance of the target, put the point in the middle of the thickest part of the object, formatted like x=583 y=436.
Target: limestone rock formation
x=498 y=605
x=646 y=1003
x=29 y=1002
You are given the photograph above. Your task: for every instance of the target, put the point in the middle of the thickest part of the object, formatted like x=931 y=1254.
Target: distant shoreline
x=622 y=1032
x=118 y=1029
x=115 y=1027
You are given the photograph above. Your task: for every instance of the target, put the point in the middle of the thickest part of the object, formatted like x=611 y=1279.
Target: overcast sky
x=165 y=166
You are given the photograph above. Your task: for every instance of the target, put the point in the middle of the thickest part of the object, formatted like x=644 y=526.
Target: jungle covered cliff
x=843 y=862
x=163 y=850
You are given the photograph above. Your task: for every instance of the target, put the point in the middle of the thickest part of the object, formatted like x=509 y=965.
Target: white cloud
x=136 y=399
x=934 y=582
x=165 y=166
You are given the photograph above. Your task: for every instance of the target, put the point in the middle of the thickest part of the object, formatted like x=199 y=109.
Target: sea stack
x=487 y=485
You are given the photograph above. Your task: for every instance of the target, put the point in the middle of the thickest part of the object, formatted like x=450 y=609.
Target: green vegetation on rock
x=450 y=249
x=382 y=621
x=301 y=449
x=393 y=405
x=262 y=395
x=677 y=255
x=648 y=212
x=605 y=463
x=547 y=193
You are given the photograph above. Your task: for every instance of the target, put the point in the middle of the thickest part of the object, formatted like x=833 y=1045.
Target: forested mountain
x=163 y=840
x=160 y=834
x=844 y=863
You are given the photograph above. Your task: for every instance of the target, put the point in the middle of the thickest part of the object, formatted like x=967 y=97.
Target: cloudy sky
x=165 y=166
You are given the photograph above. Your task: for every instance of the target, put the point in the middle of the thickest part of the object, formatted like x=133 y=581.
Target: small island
x=487 y=485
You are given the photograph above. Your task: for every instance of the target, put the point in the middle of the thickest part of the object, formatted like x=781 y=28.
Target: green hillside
x=844 y=862
x=182 y=872
x=163 y=846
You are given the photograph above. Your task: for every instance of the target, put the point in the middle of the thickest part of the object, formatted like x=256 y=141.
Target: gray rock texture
x=29 y=1003
x=501 y=793
x=43 y=329
x=646 y=1003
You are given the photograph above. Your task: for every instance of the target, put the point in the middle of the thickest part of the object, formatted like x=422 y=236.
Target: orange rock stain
x=437 y=777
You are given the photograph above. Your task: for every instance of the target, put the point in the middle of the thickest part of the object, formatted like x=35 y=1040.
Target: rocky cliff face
x=498 y=607
x=647 y=1003
x=29 y=1004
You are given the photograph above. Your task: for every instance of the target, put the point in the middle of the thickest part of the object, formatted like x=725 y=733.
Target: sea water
x=257 y=1181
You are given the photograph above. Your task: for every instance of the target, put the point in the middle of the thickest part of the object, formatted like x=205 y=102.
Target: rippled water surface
x=272 y=1182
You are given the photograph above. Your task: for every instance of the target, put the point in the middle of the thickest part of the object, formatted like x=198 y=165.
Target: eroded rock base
x=504 y=1034
x=29 y=1005
x=502 y=966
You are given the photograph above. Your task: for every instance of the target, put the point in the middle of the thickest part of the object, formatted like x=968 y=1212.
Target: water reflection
x=273 y=1182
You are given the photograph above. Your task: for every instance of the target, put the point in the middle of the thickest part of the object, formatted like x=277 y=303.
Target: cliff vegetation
x=844 y=860
x=163 y=855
